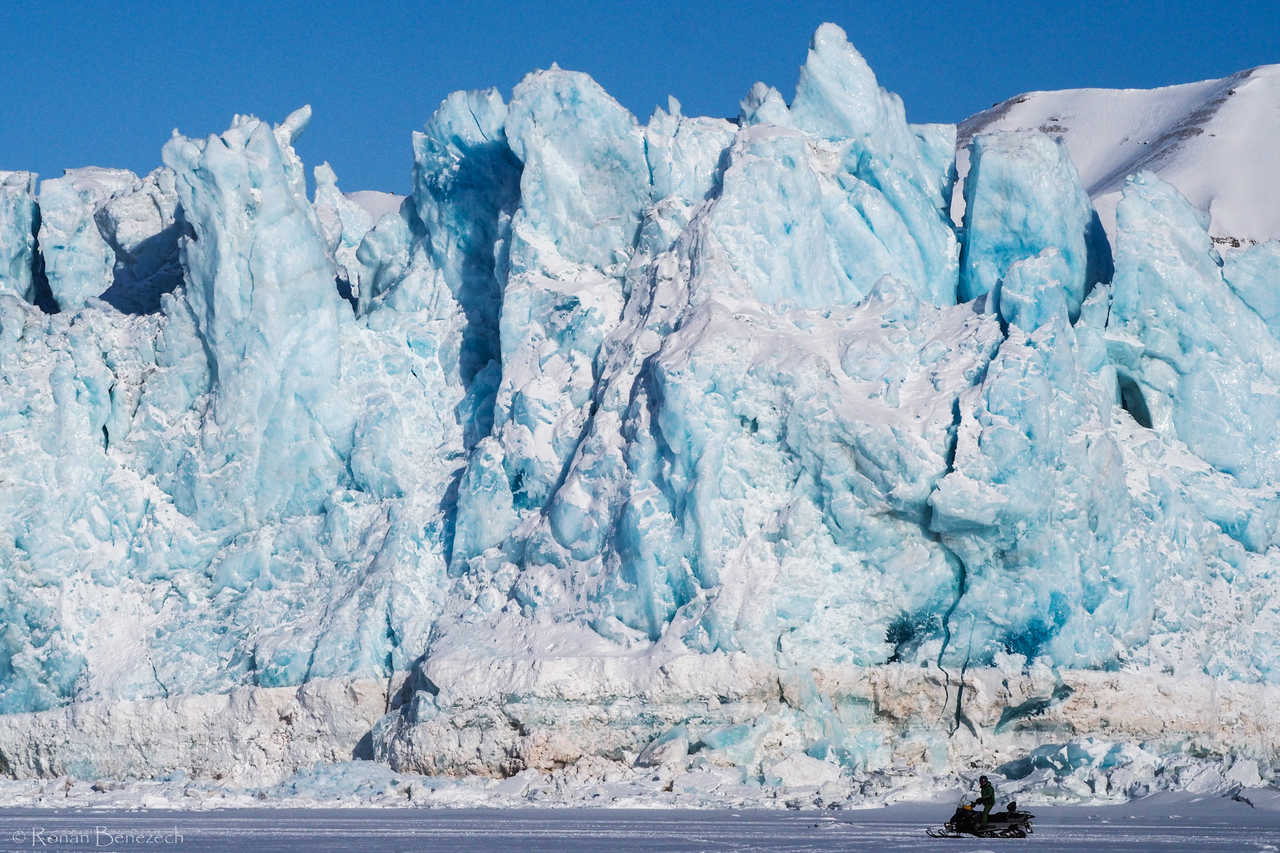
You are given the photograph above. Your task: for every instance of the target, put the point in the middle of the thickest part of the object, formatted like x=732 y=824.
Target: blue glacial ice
x=600 y=390
x=1022 y=197
x=18 y=224
x=258 y=477
x=78 y=262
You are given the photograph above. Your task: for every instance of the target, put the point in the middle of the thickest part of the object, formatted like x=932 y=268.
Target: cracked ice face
x=612 y=390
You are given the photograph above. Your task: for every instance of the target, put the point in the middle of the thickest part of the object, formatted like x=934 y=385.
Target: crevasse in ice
x=697 y=385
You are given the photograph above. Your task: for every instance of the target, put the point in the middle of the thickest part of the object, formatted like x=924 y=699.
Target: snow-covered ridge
x=625 y=440
x=1213 y=140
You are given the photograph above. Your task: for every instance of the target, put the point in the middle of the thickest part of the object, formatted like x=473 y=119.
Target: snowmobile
x=967 y=820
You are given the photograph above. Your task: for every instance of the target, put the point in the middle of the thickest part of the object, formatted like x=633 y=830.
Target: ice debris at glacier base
x=599 y=395
x=604 y=784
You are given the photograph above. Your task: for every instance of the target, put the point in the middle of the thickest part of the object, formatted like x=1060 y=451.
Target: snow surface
x=1159 y=823
x=376 y=204
x=688 y=447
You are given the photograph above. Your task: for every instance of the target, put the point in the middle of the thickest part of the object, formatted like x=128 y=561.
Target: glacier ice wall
x=601 y=395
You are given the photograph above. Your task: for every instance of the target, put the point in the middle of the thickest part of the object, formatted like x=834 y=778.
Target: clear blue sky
x=103 y=84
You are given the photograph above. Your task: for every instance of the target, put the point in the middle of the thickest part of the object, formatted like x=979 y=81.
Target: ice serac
x=838 y=97
x=1189 y=350
x=344 y=225
x=260 y=286
x=141 y=224
x=1049 y=565
x=583 y=188
x=19 y=219
x=1022 y=197
x=78 y=262
x=764 y=105
x=684 y=154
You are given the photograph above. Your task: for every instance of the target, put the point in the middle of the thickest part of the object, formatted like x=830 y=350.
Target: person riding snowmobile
x=987 y=797
x=968 y=820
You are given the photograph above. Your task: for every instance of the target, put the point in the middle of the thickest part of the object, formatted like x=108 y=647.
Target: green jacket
x=988 y=794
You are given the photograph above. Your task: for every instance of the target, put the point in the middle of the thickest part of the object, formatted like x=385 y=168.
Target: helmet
x=982 y=778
